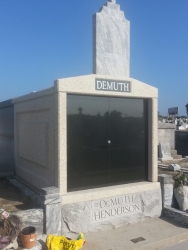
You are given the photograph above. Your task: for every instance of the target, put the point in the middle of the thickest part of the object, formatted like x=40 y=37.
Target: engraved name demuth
x=114 y=207
x=111 y=85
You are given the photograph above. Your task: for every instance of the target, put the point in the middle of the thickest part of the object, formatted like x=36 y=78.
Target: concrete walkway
x=156 y=233
x=182 y=245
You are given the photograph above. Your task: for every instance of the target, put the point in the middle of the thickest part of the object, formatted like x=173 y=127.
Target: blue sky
x=43 y=40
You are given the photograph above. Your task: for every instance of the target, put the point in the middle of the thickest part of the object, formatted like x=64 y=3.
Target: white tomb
x=94 y=137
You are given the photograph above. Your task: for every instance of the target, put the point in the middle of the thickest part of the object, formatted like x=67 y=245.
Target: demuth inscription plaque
x=112 y=85
x=115 y=207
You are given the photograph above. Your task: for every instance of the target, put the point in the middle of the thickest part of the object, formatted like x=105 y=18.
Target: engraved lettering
x=110 y=85
x=120 y=200
x=131 y=208
x=122 y=210
x=115 y=85
x=114 y=202
x=97 y=215
x=113 y=212
x=126 y=87
x=121 y=86
x=114 y=207
x=127 y=209
x=102 y=204
x=137 y=207
x=103 y=214
x=107 y=212
x=104 y=85
x=119 y=212
x=99 y=85
x=108 y=204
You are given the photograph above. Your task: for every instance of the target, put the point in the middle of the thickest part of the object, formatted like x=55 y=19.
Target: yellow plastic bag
x=54 y=242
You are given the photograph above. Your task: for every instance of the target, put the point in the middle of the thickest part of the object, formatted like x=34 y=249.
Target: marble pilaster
x=51 y=199
x=166 y=189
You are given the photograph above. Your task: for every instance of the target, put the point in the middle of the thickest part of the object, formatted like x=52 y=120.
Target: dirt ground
x=11 y=198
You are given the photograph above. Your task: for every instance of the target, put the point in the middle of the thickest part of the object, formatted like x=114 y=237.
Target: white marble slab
x=111 y=41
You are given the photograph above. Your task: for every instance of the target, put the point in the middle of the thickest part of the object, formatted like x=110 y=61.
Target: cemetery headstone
x=174 y=167
x=164 y=151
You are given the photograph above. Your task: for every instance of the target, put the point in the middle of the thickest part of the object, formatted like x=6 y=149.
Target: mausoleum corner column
x=52 y=202
x=61 y=139
x=153 y=140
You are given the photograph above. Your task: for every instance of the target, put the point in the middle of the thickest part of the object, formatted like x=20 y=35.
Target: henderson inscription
x=115 y=207
x=112 y=85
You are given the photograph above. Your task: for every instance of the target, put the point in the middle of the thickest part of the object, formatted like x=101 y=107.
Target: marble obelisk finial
x=111 y=41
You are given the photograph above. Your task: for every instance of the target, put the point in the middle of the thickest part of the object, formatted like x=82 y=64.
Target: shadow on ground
x=12 y=199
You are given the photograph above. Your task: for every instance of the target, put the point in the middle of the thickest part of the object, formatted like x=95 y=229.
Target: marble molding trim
x=47 y=218
x=166 y=189
x=111 y=41
x=25 y=190
x=32 y=217
x=51 y=200
x=34 y=156
x=169 y=203
x=111 y=212
x=152 y=139
x=176 y=215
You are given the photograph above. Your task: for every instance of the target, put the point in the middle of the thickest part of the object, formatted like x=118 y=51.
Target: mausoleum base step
x=177 y=156
x=173 y=152
x=32 y=217
x=176 y=215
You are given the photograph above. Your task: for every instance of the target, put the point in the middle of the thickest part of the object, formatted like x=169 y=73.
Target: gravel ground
x=182 y=163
